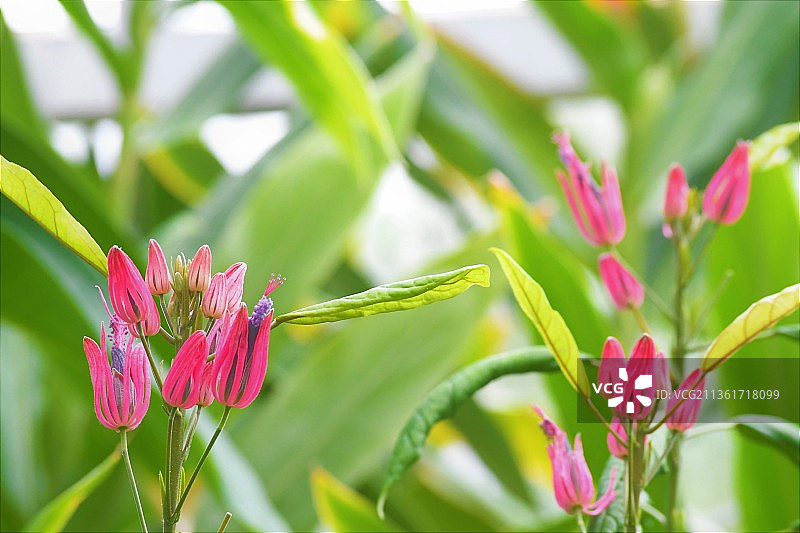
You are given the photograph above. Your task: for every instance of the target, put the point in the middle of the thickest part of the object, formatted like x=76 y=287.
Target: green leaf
x=328 y=77
x=443 y=401
x=478 y=120
x=613 y=52
x=22 y=188
x=612 y=519
x=77 y=11
x=340 y=508
x=397 y=296
x=781 y=434
x=15 y=98
x=555 y=333
x=758 y=317
x=769 y=142
x=55 y=515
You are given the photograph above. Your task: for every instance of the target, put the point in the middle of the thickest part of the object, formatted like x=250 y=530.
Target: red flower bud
x=157 y=273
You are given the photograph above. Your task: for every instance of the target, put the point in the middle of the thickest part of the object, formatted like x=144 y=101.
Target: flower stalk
x=123 y=437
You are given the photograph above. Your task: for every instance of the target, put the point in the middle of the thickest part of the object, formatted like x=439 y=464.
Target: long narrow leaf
x=549 y=323
x=329 y=79
x=776 y=432
x=22 y=188
x=397 y=296
x=55 y=515
x=446 y=397
x=758 y=317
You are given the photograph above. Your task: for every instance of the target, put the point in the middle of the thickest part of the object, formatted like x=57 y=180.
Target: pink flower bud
x=157 y=274
x=235 y=277
x=624 y=289
x=182 y=384
x=685 y=415
x=676 y=201
x=130 y=297
x=597 y=211
x=207 y=385
x=215 y=298
x=241 y=361
x=199 y=275
x=618 y=378
x=572 y=480
x=615 y=447
x=612 y=359
x=121 y=390
x=726 y=196
x=661 y=380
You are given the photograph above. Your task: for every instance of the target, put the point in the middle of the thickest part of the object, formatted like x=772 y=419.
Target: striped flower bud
x=157 y=274
x=199 y=275
x=215 y=299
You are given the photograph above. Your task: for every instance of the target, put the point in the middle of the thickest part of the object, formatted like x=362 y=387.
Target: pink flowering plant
x=644 y=389
x=221 y=349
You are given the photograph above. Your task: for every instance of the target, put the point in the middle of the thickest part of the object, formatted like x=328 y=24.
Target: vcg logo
x=618 y=392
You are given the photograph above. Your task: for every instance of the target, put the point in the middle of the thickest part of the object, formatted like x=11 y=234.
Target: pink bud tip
x=676 y=200
x=215 y=299
x=130 y=297
x=235 y=277
x=199 y=275
x=725 y=198
x=623 y=287
x=183 y=381
x=157 y=273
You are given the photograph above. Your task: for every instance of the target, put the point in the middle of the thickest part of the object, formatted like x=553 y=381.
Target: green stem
x=581 y=524
x=674 y=514
x=123 y=435
x=224 y=523
x=202 y=460
x=146 y=344
x=173 y=467
x=603 y=420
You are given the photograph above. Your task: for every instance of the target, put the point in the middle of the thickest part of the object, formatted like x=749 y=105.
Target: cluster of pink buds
x=600 y=218
x=724 y=200
x=221 y=352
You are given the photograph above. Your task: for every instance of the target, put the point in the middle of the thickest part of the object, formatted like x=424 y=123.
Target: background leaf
x=57 y=513
x=22 y=188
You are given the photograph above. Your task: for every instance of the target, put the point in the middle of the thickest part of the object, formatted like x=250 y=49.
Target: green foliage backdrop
x=369 y=85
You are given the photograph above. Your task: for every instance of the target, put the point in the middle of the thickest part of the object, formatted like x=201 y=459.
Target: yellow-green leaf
x=548 y=322
x=55 y=515
x=758 y=317
x=22 y=188
x=769 y=142
x=342 y=509
x=397 y=296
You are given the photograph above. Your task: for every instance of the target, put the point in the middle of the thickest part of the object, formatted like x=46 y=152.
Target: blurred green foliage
x=369 y=88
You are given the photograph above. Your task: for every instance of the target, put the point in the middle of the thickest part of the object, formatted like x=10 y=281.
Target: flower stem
x=173 y=467
x=146 y=344
x=603 y=420
x=581 y=524
x=224 y=523
x=123 y=436
x=220 y=427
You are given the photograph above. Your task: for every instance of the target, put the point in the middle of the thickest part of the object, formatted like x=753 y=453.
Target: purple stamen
x=260 y=311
